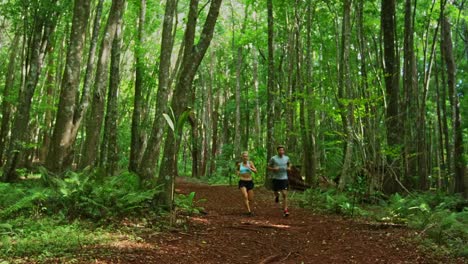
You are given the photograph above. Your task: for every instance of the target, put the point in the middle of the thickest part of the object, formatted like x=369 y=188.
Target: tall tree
x=7 y=91
x=270 y=141
x=458 y=159
x=69 y=87
x=151 y=155
x=410 y=85
x=428 y=61
x=391 y=76
x=307 y=112
x=345 y=94
x=45 y=22
x=82 y=107
x=95 y=120
x=193 y=55
x=136 y=145
x=109 y=151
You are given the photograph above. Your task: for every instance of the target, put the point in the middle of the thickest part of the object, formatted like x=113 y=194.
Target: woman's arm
x=252 y=167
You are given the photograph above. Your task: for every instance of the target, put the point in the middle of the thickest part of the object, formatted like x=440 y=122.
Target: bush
x=46 y=237
x=437 y=215
x=78 y=196
x=50 y=217
x=331 y=201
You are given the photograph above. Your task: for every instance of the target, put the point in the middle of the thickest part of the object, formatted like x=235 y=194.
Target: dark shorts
x=279 y=185
x=247 y=184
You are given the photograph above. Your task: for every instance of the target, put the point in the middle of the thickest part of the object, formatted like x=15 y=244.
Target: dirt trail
x=225 y=235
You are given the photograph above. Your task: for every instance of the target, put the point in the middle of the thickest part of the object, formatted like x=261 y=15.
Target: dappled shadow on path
x=225 y=235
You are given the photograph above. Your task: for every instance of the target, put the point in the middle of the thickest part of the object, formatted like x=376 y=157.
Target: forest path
x=226 y=235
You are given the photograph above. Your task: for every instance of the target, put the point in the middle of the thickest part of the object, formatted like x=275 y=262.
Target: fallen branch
x=270 y=259
x=243 y=228
x=287 y=256
x=275 y=258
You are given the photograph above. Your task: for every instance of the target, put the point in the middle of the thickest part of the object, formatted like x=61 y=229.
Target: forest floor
x=225 y=235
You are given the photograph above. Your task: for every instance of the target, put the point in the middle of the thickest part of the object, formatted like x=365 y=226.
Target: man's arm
x=289 y=165
x=271 y=166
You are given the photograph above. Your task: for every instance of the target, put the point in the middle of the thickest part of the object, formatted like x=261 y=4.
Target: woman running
x=246 y=185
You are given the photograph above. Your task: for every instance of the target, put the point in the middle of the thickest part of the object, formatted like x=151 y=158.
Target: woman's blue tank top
x=243 y=169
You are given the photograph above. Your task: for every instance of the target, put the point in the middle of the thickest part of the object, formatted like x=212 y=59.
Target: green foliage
x=78 y=196
x=46 y=237
x=331 y=201
x=435 y=213
x=82 y=196
x=442 y=218
x=48 y=216
x=186 y=204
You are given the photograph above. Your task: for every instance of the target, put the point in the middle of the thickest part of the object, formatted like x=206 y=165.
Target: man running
x=279 y=165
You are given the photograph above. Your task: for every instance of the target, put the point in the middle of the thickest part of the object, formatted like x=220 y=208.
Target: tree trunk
x=136 y=149
x=82 y=106
x=391 y=76
x=307 y=111
x=410 y=84
x=193 y=55
x=61 y=137
x=151 y=155
x=7 y=90
x=258 y=124
x=270 y=140
x=48 y=116
x=214 y=118
x=95 y=120
x=45 y=25
x=423 y=159
x=109 y=150
x=237 y=124
x=195 y=150
x=442 y=160
x=458 y=158
x=345 y=84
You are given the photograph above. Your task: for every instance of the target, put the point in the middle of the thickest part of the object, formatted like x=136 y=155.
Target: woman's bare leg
x=245 y=196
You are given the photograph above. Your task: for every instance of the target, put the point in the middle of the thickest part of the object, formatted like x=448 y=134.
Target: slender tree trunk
x=95 y=120
x=61 y=140
x=193 y=55
x=82 y=106
x=258 y=125
x=151 y=155
x=345 y=84
x=109 y=150
x=207 y=129
x=7 y=91
x=307 y=115
x=442 y=161
x=423 y=159
x=391 y=76
x=136 y=150
x=411 y=97
x=195 y=145
x=270 y=141
x=369 y=133
x=214 y=118
x=45 y=25
x=458 y=159
x=290 y=84
x=48 y=116
x=237 y=124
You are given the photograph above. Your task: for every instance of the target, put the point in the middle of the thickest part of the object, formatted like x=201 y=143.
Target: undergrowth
x=441 y=218
x=46 y=217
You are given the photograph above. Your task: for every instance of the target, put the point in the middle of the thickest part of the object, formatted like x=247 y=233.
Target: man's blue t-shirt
x=282 y=164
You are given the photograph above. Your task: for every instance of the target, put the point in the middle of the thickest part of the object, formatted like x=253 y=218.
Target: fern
x=26 y=202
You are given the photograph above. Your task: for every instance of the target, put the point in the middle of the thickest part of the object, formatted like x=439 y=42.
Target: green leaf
x=169 y=121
